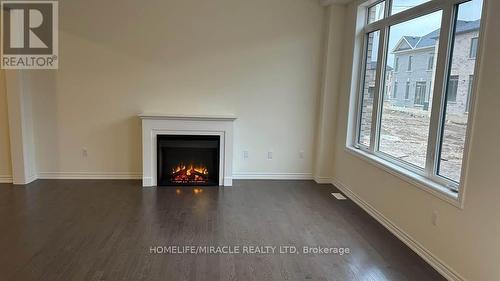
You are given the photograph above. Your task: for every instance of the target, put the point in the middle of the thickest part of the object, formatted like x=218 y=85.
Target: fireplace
x=188 y=160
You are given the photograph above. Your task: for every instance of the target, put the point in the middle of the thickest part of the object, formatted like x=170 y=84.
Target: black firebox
x=188 y=160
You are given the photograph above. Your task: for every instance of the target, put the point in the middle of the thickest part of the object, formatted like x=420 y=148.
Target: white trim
x=168 y=124
x=89 y=176
x=428 y=185
x=156 y=116
x=272 y=176
x=445 y=270
x=323 y=180
x=6 y=179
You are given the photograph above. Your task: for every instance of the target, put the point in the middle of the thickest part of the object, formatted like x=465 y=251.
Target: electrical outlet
x=245 y=154
x=301 y=154
x=85 y=153
x=270 y=155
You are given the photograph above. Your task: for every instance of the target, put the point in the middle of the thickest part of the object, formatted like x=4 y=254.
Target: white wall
x=5 y=163
x=332 y=68
x=260 y=60
x=467 y=240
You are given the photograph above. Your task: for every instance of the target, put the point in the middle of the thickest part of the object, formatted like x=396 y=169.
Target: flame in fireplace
x=189 y=174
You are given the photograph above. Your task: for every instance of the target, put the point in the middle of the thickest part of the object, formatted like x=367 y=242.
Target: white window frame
x=427 y=178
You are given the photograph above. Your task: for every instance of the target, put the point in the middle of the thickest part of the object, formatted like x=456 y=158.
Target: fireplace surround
x=158 y=125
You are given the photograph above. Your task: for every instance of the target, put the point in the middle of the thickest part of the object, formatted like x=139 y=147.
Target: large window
x=420 y=134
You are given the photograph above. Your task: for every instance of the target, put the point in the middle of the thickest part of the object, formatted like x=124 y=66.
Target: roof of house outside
x=429 y=40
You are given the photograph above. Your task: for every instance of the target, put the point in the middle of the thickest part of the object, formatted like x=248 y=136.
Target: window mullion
x=387 y=8
x=378 y=95
x=439 y=93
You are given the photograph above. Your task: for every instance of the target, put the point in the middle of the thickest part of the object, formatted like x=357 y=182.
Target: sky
x=421 y=26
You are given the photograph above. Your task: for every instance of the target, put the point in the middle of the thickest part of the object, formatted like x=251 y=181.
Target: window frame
x=427 y=178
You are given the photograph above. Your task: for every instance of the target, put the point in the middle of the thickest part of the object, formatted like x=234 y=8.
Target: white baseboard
x=425 y=254
x=323 y=180
x=89 y=176
x=272 y=176
x=6 y=179
x=228 y=181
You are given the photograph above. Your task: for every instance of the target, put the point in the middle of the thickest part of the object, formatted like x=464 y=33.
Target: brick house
x=414 y=66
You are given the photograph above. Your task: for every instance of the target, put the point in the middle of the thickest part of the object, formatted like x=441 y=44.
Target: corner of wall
x=330 y=90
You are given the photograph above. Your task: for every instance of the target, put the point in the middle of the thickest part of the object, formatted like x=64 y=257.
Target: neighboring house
x=370 y=81
x=414 y=66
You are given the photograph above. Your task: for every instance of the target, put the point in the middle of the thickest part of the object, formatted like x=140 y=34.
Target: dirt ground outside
x=404 y=135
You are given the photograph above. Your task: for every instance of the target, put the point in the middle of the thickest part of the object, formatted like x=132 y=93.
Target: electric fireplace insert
x=188 y=160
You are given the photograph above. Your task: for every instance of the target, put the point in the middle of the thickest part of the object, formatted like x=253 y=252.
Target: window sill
x=438 y=190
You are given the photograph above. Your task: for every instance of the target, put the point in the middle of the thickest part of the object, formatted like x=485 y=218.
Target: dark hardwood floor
x=103 y=230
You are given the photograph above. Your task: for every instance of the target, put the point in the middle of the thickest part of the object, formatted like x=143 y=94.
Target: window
x=430 y=62
x=420 y=90
x=403 y=134
x=371 y=90
x=368 y=87
x=403 y=5
x=473 y=48
x=376 y=12
x=424 y=138
x=454 y=122
x=451 y=96
x=407 y=90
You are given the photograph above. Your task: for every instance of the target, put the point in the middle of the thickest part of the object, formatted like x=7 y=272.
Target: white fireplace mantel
x=154 y=124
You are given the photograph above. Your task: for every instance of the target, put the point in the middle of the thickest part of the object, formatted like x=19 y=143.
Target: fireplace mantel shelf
x=187 y=117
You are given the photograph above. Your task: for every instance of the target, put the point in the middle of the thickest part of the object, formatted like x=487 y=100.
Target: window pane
x=473 y=48
x=376 y=12
x=430 y=63
x=458 y=90
x=452 y=88
x=368 y=87
x=406 y=117
x=402 y=5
